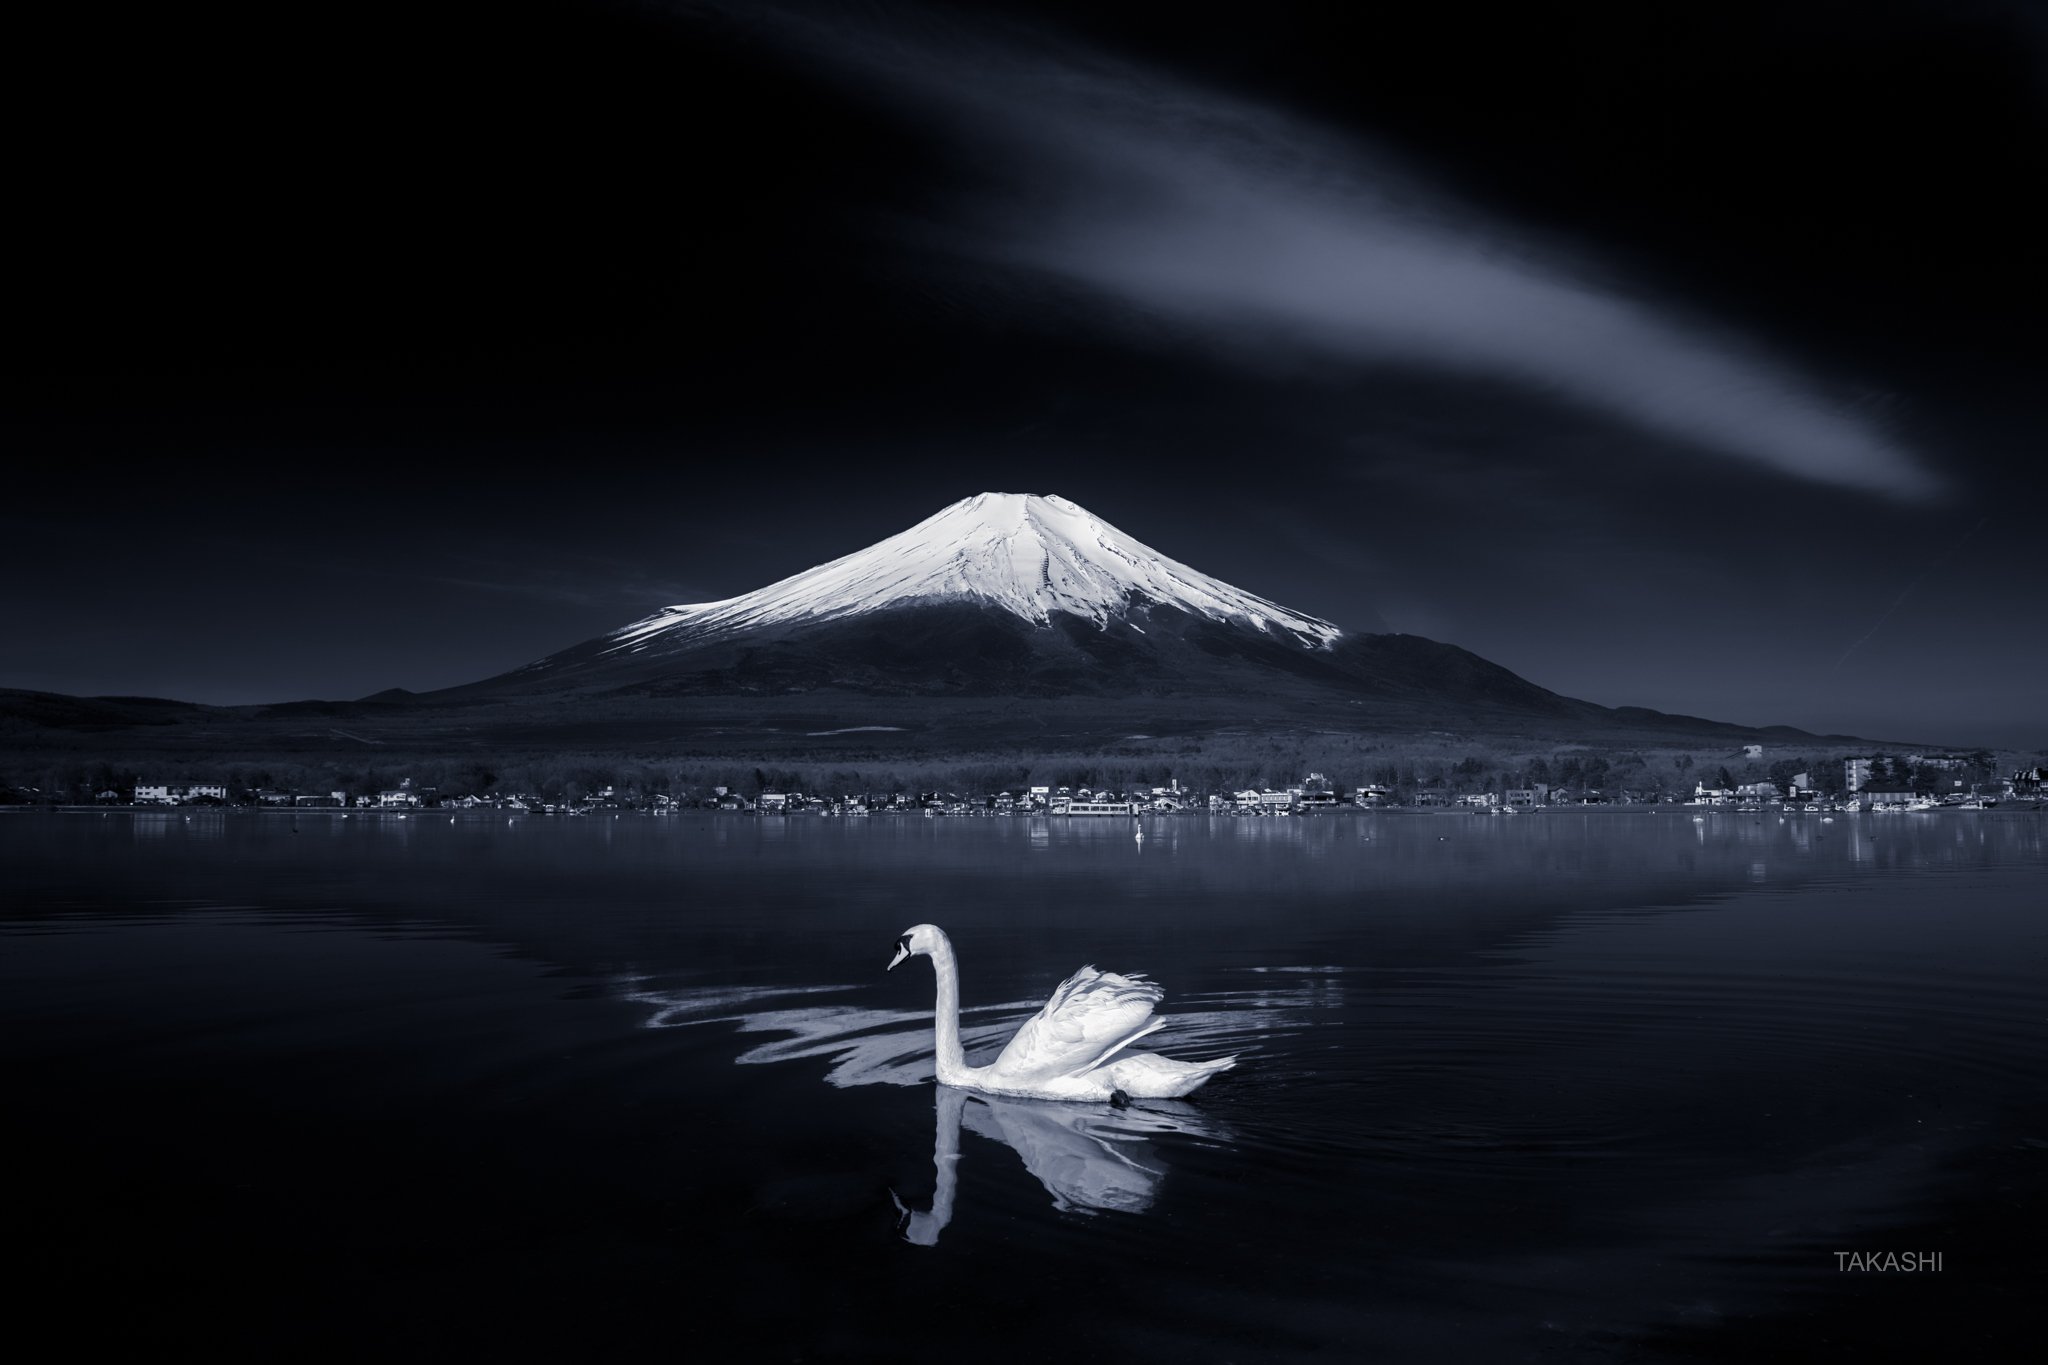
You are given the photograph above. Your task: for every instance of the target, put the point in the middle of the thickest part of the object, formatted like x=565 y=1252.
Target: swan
x=1073 y=1049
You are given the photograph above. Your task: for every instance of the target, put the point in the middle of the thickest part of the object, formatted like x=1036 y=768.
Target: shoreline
x=2020 y=805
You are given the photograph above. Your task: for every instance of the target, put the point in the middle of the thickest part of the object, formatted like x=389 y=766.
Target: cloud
x=1250 y=229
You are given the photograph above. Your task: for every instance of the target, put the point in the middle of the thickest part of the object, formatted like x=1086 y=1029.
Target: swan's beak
x=902 y=951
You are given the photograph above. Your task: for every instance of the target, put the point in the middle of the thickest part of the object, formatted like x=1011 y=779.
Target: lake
x=1550 y=1087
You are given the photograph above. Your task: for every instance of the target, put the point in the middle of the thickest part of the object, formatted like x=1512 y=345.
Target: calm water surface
x=1604 y=1086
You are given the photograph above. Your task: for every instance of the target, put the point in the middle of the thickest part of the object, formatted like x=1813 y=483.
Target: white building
x=1078 y=807
x=157 y=794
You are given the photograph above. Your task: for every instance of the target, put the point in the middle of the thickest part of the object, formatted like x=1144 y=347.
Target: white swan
x=1073 y=1049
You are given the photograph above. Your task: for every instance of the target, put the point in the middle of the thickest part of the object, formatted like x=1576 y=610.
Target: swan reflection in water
x=1090 y=1158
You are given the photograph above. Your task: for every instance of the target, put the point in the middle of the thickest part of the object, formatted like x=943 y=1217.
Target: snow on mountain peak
x=1026 y=553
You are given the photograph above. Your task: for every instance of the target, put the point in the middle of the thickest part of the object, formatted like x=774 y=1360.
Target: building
x=1316 y=791
x=1885 y=794
x=1372 y=795
x=1752 y=751
x=1855 y=773
x=156 y=794
x=774 y=801
x=1078 y=807
x=1757 y=791
x=206 y=791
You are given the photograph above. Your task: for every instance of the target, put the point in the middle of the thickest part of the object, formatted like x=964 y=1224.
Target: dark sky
x=1684 y=355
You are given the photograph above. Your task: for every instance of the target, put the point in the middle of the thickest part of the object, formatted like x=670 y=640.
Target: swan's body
x=1073 y=1049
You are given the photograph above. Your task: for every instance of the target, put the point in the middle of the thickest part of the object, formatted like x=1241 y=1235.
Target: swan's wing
x=1091 y=1015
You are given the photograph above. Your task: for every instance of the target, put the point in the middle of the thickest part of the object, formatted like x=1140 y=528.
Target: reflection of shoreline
x=1089 y=1158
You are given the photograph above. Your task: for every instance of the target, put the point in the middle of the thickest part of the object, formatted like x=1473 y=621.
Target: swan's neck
x=946 y=1017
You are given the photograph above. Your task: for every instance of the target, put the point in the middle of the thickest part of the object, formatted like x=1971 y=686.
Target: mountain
x=999 y=593
x=1034 y=598
x=1007 y=594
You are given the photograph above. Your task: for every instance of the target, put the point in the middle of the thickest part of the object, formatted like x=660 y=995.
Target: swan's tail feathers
x=1147 y=1075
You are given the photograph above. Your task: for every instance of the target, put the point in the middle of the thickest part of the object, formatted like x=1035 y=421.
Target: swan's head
x=919 y=938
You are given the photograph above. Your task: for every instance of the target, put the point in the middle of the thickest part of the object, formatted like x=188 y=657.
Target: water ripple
x=869 y=1046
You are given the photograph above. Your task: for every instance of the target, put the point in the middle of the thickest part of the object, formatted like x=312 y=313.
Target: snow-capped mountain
x=1032 y=556
x=1020 y=596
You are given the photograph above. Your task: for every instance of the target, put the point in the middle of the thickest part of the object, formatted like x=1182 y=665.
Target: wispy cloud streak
x=1252 y=229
